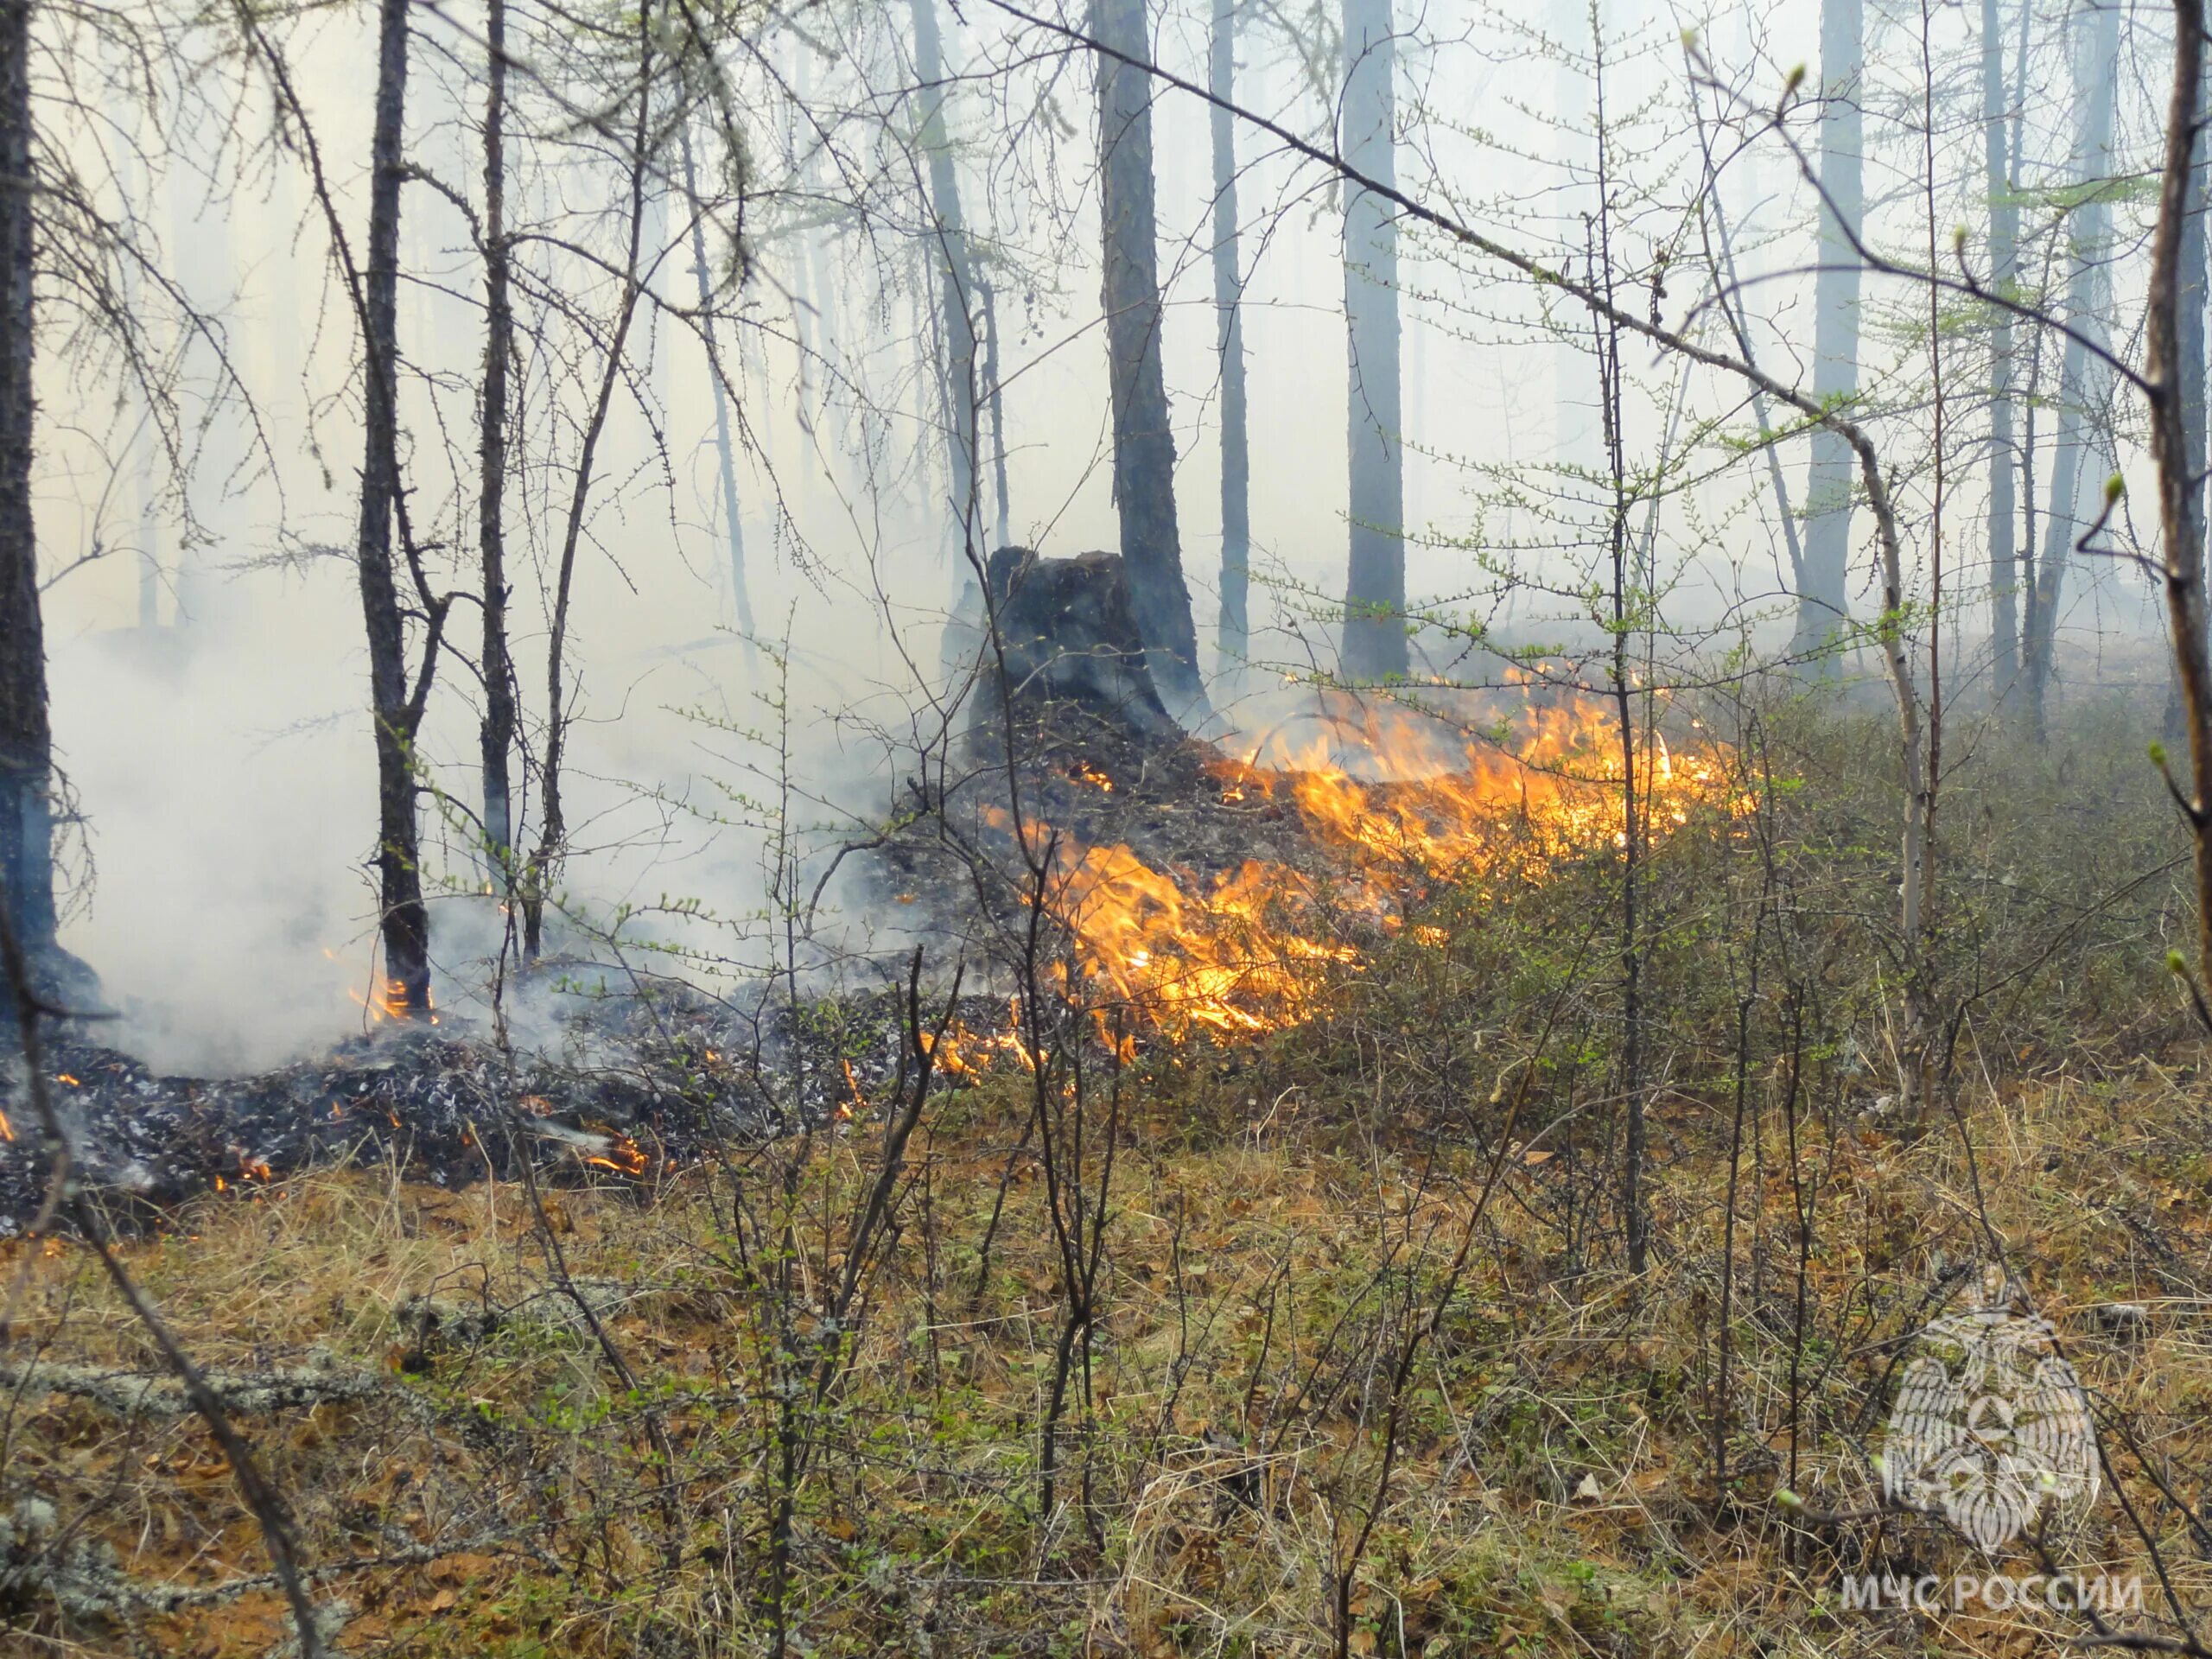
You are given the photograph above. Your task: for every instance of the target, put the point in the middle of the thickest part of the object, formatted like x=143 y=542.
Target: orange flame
x=947 y=1054
x=1250 y=952
x=391 y=1001
x=624 y=1158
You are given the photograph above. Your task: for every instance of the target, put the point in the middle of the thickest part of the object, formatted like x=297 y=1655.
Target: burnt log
x=1070 y=650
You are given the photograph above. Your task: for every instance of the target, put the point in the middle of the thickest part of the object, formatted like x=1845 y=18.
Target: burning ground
x=1199 y=891
x=1100 y=1348
x=1221 y=888
x=645 y=1079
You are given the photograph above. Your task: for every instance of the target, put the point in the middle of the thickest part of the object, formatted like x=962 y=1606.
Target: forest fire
x=1390 y=809
x=388 y=1003
x=625 y=1157
x=965 y=1052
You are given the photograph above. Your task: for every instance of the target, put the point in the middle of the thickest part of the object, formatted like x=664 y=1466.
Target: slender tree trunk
x=497 y=733
x=1920 y=996
x=806 y=306
x=1375 y=595
x=2178 y=453
x=994 y=403
x=2096 y=67
x=205 y=239
x=2004 y=258
x=956 y=293
x=553 y=832
x=1578 y=444
x=2190 y=336
x=26 y=739
x=733 y=527
x=149 y=537
x=1729 y=296
x=1144 y=442
x=406 y=922
x=127 y=116
x=1822 y=601
x=826 y=293
x=1233 y=634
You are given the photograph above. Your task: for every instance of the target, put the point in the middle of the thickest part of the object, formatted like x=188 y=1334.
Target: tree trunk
x=1821 y=603
x=1233 y=634
x=2003 y=252
x=995 y=403
x=956 y=296
x=2073 y=487
x=406 y=922
x=127 y=116
x=1579 y=448
x=1144 y=444
x=497 y=730
x=2189 y=341
x=740 y=596
x=2179 y=454
x=26 y=739
x=1375 y=594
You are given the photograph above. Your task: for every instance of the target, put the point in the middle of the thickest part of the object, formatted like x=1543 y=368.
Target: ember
x=448 y=1108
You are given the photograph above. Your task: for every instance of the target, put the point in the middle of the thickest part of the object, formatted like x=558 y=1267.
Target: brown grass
x=1554 y=1495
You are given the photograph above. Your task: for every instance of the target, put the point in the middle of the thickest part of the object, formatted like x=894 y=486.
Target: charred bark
x=406 y=920
x=1071 y=649
x=1375 y=590
x=497 y=730
x=1144 y=444
x=26 y=737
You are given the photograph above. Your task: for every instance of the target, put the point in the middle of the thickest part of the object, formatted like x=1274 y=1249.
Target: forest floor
x=475 y=1466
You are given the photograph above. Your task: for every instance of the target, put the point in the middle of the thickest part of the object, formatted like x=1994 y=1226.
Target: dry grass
x=1555 y=1490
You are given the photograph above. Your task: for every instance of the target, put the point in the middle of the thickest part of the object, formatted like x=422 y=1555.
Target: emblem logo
x=1991 y=1426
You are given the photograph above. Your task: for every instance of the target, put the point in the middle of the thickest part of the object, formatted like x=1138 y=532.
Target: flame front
x=1253 y=949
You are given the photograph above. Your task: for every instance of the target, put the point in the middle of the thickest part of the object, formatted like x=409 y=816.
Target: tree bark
x=1375 y=590
x=956 y=293
x=995 y=402
x=2189 y=335
x=1233 y=634
x=405 y=920
x=1144 y=444
x=497 y=733
x=1579 y=448
x=2073 y=487
x=1822 y=606
x=2004 y=258
x=2178 y=458
x=740 y=596
x=26 y=738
